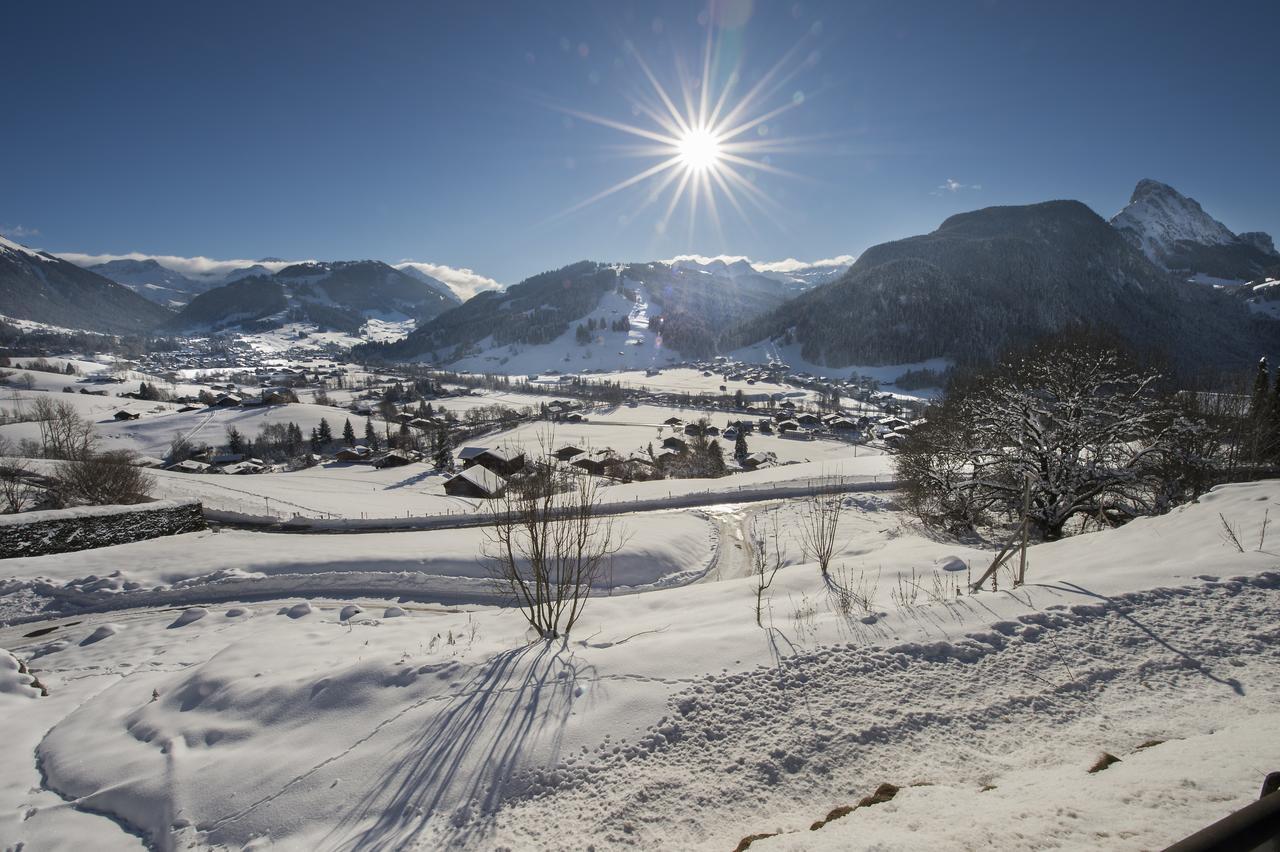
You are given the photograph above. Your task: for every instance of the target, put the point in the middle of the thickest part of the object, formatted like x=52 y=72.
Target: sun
x=699 y=150
x=712 y=142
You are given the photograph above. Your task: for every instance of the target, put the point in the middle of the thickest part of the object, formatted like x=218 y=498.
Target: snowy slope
x=669 y=719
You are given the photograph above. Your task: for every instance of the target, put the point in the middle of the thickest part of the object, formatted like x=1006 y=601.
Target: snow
x=1158 y=216
x=667 y=719
x=18 y=248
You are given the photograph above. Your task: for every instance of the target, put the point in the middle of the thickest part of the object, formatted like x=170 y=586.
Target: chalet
x=278 y=396
x=243 y=468
x=894 y=439
x=568 y=452
x=842 y=424
x=146 y=461
x=394 y=458
x=226 y=458
x=187 y=408
x=575 y=417
x=358 y=453
x=593 y=463
x=424 y=424
x=788 y=426
x=123 y=415
x=227 y=400
x=766 y=427
x=674 y=443
x=500 y=460
x=892 y=423
x=757 y=460
x=475 y=482
x=807 y=419
x=673 y=421
x=189 y=466
x=467 y=455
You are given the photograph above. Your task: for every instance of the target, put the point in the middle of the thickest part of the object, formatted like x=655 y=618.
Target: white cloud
x=791 y=264
x=462 y=281
x=199 y=268
x=953 y=186
x=18 y=232
x=788 y=265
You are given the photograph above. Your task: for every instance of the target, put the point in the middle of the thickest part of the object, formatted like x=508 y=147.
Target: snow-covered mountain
x=796 y=275
x=341 y=296
x=1175 y=233
x=149 y=279
x=37 y=286
x=1004 y=276
x=671 y=310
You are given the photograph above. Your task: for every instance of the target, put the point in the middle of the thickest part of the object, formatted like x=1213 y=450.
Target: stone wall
x=67 y=530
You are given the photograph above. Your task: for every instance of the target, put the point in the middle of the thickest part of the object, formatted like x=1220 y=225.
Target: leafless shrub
x=905 y=593
x=102 y=479
x=547 y=545
x=853 y=595
x=1229 y=535
x=767 y=557
x=819 y=520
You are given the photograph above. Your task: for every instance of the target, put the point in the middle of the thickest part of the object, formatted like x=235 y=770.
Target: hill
x=37 y=286
x=340 y=296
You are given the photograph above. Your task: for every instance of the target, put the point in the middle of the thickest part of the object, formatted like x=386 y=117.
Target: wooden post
x=1026 y=510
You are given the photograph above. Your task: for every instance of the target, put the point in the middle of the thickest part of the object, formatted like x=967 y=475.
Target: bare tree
x=64 y=434
x=766 y=557
x=819 y=519
x=547 y=546
x=16 y=487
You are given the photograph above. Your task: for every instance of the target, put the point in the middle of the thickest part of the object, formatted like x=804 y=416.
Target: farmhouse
x=567 y=452
x=123 y=415
x=475 y=482
x=501 y=461
x=357 y=453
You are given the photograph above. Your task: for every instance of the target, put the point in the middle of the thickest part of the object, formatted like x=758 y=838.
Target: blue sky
x=437 y=131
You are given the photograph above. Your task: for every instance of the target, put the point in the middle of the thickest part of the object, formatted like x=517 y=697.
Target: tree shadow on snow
x=1195 y=664
x=468 y=753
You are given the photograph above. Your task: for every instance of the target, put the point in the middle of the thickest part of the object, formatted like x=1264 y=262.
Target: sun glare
x=712 y=141
x=699 y=150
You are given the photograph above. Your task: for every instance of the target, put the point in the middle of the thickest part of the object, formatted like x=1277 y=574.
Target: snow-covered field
x=667 y=719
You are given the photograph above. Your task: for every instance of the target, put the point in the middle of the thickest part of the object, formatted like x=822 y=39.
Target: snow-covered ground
x=667 y=719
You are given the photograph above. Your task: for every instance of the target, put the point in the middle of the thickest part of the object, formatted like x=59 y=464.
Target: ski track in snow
x=748 y=752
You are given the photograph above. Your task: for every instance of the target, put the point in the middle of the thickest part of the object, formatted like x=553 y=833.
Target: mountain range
x=982 y=281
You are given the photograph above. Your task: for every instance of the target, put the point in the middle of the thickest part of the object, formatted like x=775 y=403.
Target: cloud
x=953 y=186
x=791 y=264
x=788 y=265
x=199 y=268
x=462 y=281
x=18 y=232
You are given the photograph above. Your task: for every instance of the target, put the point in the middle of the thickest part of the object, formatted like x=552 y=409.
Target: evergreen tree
x=370 y=435
x=325 y=432
x=740 y=451
x=442 y=450
x=739 y=399
x=315 y=440
x=1271 y=447
x=348 y=434
x=235 y=441
x=1261 y=383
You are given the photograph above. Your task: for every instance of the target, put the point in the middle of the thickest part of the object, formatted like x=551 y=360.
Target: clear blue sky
x=423 y=130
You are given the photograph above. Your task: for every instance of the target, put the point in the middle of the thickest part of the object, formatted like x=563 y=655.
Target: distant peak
x=1148 y=187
